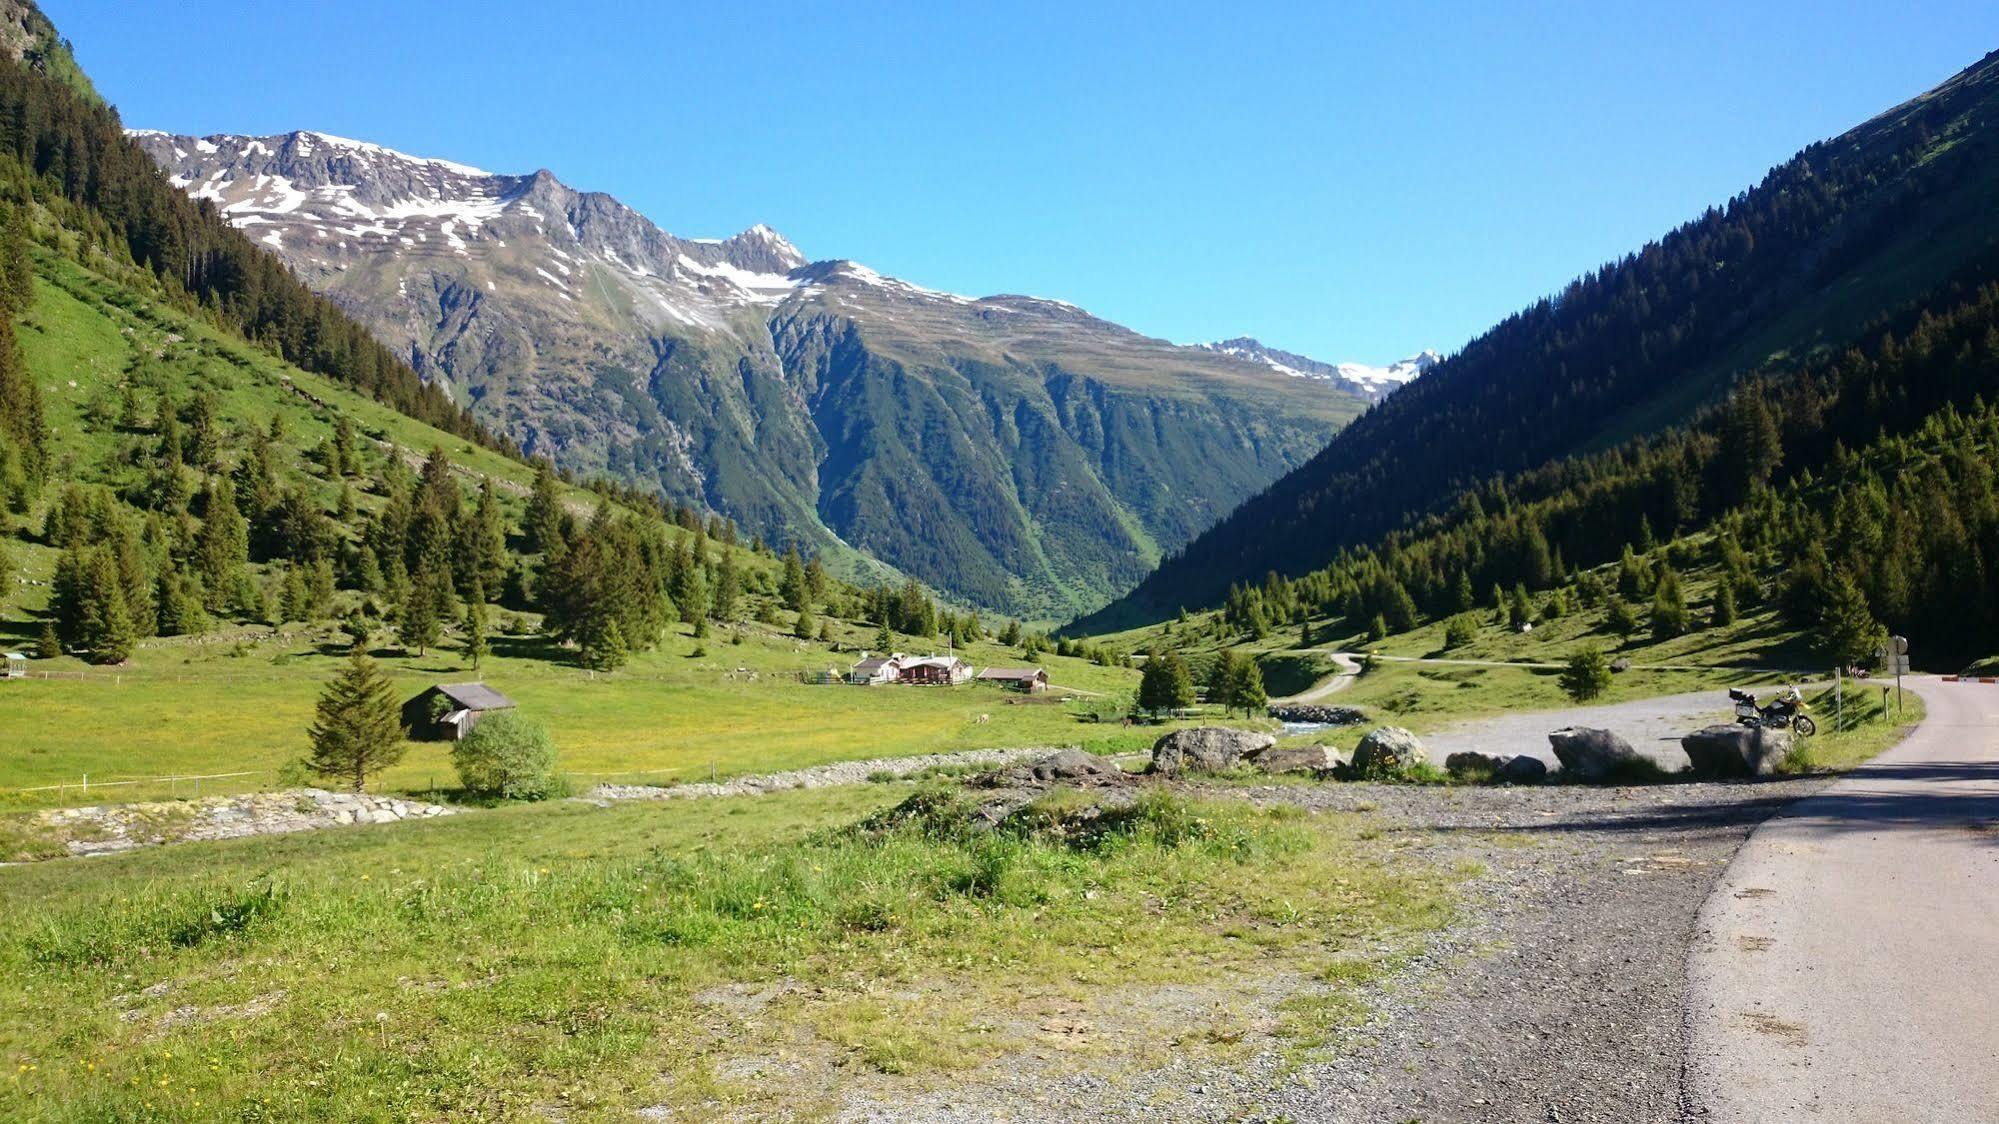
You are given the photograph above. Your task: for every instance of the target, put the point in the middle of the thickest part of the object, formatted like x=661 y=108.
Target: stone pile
x=108 y=828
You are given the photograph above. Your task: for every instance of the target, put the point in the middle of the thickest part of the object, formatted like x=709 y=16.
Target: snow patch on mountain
x=1376 y=382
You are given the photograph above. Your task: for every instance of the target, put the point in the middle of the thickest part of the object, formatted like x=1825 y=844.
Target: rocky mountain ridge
x=1014 y=451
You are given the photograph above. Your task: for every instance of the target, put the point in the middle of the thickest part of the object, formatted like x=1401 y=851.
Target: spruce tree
x=1724 y=603
x=475 y=627
x=1223 y=678
x=884 y=639
x=416 y=619
x=1669 y=608
x=804 y=627
x=358 y=732
x=1165 y=683
x=1847 y=630
x=105 y=626
x=544 y=514
x=1587 y=674
x=728 y=589
x=48 y=646
x=607 y=652
x=1248 y=692
x=791 y=586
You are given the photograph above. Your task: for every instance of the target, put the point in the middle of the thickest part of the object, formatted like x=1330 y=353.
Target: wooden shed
x=1032 y=680
x=935 y=671
x=448 y=711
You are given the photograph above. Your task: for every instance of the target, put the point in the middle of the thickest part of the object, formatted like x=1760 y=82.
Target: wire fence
x=84 y=784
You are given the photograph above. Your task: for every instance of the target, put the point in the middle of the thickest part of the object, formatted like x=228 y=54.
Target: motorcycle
x=1786 y=712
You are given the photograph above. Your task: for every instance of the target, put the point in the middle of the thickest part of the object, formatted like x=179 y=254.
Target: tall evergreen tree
x=358 y=732
x=545 y=516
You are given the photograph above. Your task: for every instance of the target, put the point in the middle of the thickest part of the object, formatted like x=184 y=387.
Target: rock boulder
x=1068 y=766
x=1205 y=749
x=1591 y=754
x=1471 y=761
x=1523 y=770
x=1294 y=759
x=1736 y=751
x=1387 y=750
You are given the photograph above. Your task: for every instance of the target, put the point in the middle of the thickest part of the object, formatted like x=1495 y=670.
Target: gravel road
x=1652 y=726
x=1557 y=996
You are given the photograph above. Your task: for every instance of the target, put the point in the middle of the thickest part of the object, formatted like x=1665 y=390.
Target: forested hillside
x=1860 y=495
x=172 y=465
x=1847 y=232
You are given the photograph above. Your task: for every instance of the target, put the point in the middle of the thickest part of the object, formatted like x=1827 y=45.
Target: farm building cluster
x=942 y=671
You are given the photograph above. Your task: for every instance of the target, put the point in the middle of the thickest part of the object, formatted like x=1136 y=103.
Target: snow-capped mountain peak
x=1376 y=382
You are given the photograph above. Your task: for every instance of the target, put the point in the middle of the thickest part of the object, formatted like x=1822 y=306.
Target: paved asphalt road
x=1846 y=967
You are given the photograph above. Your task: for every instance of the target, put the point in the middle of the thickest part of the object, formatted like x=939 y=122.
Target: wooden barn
x=1031 y=680
x=935 y=671
x=448 y=711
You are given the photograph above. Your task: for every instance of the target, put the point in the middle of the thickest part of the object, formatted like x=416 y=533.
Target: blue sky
x=1353 y=182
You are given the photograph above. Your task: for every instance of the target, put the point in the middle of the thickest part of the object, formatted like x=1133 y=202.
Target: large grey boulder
x=1590 y=754
x=1736 y=751
x=1523 y=770
x=1205 y=749
x=1386 y=751
x=1294 y=759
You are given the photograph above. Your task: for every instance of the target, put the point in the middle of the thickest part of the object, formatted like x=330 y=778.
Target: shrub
x=1462 y=630
x=507 y=755
x=1587 y=675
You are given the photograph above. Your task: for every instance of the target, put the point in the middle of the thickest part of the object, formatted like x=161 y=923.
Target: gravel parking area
x=1652 y=726
x=1556 y=996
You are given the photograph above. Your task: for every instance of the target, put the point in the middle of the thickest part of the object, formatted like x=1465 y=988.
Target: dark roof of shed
x=475 y=696
x=1011 y=673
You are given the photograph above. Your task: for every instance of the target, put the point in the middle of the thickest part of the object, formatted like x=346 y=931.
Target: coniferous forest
x=1850 y=233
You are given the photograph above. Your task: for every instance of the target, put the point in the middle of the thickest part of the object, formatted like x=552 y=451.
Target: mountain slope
x=1016 y=452
x=1789 y=271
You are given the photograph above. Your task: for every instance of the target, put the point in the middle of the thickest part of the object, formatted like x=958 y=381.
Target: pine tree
x=417 y=618
x=803 y=628
x=345 y=462
x=48 y=646
x=1724 y=603
x=1519 y=610
x=1165 y=683
x=1847 y=630
x=1248 y=690
x=106 y=626
x=884 y=639
x=1462 y=597
x=791 y=585
x=1222 y=679
x=475 y=627
x=205 y=434
x=1669 y=608
x=222 y=546
x=358 y=732
x=1587 y=674
x=728 y=589
x=544 y=514
x=607 y=652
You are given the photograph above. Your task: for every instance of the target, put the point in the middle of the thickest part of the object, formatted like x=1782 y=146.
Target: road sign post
x=1899 y=645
